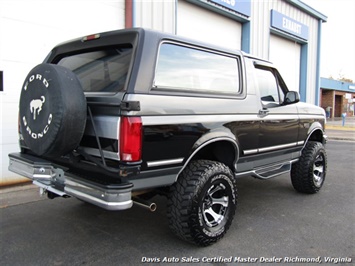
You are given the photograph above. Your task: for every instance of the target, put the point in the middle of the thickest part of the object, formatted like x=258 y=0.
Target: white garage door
x=29 y=30
x=286 y=55
x=200 y=24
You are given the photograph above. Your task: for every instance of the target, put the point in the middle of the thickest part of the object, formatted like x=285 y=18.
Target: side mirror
x=292 y=97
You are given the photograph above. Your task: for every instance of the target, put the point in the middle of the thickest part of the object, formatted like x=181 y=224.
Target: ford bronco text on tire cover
x=119 y=117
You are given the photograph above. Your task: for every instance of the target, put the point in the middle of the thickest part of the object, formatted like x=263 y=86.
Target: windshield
x=103 y=70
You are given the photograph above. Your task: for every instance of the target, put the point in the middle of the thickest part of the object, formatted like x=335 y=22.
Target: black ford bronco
x=118 y=117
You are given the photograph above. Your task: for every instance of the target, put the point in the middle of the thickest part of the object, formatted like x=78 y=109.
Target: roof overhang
x=309 y=10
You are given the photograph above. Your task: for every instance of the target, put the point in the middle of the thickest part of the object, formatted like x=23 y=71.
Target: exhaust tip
x=145 y=204
x=153 y=207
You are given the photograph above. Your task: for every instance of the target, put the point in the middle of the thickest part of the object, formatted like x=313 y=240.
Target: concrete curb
x=337 y=134
x=341 y=139
x=345 y=128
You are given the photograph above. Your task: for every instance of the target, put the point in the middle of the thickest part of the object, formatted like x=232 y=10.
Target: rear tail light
x=131 y=139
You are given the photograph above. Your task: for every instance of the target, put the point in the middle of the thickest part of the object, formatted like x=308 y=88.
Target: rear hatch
x=103 y=63
x=103 y=74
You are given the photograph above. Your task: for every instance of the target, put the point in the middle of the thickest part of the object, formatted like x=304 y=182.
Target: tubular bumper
x=57 y=180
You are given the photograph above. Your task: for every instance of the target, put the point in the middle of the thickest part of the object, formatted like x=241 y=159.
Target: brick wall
x=327 y=99
x=337 y=101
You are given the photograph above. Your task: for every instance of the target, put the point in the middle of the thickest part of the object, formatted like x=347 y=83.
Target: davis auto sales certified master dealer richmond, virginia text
x=232 y=259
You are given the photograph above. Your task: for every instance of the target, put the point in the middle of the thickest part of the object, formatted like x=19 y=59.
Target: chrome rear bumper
x=56 y=180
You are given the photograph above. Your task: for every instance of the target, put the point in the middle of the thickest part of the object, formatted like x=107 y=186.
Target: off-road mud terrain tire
x=202 y=203
x=53 y=110
x=308 y=174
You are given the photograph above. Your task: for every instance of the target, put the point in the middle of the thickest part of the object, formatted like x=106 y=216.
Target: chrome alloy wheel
x=203 y=202
x=215 y=205
x=318 y=170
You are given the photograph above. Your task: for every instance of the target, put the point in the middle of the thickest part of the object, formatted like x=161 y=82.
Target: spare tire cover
x=52 y=110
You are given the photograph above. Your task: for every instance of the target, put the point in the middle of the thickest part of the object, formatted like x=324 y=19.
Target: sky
x=338 y=37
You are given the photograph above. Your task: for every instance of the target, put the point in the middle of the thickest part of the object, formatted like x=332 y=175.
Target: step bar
x=269 y=171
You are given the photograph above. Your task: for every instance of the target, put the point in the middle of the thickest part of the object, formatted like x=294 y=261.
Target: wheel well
x=220 y=151
x=316 y=135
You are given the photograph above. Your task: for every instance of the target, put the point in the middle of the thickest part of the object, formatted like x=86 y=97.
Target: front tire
x=202 y=202
x=308 y=174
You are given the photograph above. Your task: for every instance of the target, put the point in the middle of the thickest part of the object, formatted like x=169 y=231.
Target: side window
x=270 y=91
x=191 y=70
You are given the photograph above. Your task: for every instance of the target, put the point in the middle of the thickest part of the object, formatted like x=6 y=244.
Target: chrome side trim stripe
x=198 y=118
x=164 y=162
x=278 y=147
x=272 y=148
x=248 y=152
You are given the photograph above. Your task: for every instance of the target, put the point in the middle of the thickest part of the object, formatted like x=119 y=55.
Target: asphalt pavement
x=273 y=225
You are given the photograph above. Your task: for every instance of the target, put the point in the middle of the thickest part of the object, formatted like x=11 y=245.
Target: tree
x=342 y=78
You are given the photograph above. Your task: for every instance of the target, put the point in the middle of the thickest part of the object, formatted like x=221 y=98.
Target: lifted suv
x=118 y=117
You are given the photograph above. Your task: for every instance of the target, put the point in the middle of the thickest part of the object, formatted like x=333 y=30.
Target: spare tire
x=53 y=110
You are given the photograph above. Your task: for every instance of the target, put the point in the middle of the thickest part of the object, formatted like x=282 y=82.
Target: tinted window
x=100 y=71
x=188 y=69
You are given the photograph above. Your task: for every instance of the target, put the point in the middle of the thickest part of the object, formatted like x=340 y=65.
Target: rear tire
x=308 y=174
x=202 y=203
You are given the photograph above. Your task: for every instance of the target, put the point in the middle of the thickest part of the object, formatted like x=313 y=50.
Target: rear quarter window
x=188 y=69
x=103 y=70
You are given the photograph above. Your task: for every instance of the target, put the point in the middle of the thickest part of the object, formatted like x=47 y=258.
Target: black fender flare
x=316 y=126
x=212 y=137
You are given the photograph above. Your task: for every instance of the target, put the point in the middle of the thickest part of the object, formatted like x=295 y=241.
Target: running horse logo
x=36 y=106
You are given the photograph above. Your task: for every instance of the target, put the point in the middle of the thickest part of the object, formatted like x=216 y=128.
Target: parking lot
x=274 y=224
